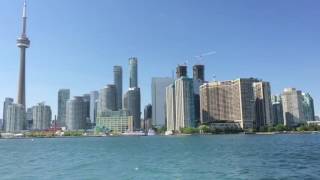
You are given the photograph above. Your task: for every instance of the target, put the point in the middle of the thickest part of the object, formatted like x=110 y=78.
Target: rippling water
x=188 y=157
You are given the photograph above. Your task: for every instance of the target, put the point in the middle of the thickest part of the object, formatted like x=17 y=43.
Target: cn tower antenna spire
x=24 y=17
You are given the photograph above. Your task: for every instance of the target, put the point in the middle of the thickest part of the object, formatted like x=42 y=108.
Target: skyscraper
x=15 y=117
x=231 y=101
x=292 y=101
x=181 y=71
x=308 y=107
x=63 y=97
x=29 y=118
x=198 y=72
x=133 y=65
x=117 y=75
x=41 y=116
x=147 y=117
x=107 y=99
x=184 y=100
x=94 y=95
x=277 y=110
x=6 y=103
x=76 y=114
x=23 y=42
x=170 y=108
x=86 y=99
x=132 y=99
x=134 y=106
x=263 y=105
x=198 y=80
x=158 y=93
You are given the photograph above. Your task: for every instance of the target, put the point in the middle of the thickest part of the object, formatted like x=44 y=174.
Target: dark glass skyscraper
x=117 y=75
x=181 y=71
x=198 y=72
x=132 y=99
x=134 y=106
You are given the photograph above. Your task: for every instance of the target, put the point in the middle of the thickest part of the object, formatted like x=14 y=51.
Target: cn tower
x=23 y=42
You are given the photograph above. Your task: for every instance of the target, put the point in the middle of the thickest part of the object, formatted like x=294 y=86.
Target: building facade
x=63 y=97
x=308 y=107
x=41 y=116
x=94 y=96
x=263 y=105
x=147 y=117
x=171 y=108
x=117 y=80
x=277 y=110
x=108 y=99
x=292 y=101
x=76 y=115
x=15 y=118
x=198 y=72
x=8 y=101
x=229 y=101
x=133 y=104
x=181 y=71
x=158 y=93
x=184 y=100
x=115 y=121
x=133 y=68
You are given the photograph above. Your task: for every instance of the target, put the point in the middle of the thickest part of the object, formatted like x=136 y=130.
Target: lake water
x=186 y=157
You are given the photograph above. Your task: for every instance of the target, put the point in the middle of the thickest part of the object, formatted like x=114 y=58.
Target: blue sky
x=75 y=43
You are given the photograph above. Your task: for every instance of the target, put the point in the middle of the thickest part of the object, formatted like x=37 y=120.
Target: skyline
x=65 y=49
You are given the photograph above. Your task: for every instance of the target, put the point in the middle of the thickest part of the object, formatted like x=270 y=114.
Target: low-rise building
x=115 y=121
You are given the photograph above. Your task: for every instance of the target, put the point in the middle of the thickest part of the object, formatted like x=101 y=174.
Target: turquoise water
x=189 y=157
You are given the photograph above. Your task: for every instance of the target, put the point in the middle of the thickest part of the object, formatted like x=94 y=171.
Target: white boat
x=134 y=133
x=151 y=132
x=168 y=133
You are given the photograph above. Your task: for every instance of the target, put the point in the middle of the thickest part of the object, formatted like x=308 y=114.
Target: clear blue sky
x=75 y=43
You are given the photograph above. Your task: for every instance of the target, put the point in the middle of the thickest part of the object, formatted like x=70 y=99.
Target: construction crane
x=201 y=57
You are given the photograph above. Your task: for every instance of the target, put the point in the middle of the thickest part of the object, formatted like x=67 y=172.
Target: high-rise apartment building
x=171 y=108
x=292 y=101
x=229 y=101
x=184 y=100
x=147 y=117
x=76 y=115
x=63 y=97
x=308 y=107
x=107 y=99
x=133 y=105
x=277 y=110
x=158 y=94
x=117 y=80
x=94 y=95
x=263 y=104
x=8 y=101
x=133 y=68
x=42 y=116
x=86 y=99
x=29 y=118
x=15 y=117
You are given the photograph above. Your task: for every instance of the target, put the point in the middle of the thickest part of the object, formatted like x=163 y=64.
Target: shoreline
x=175 y=135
